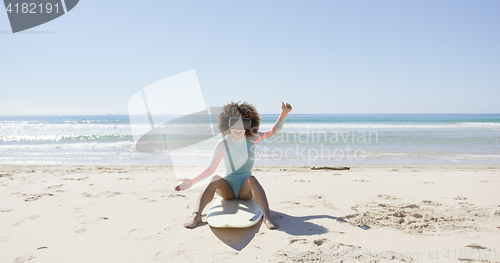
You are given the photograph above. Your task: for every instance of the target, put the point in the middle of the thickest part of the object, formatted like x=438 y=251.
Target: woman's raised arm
x=278 y=124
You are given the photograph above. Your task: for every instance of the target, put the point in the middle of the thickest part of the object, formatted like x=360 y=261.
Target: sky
x=323 y=57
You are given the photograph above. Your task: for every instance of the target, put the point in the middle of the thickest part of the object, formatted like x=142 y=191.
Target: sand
x=378 y=213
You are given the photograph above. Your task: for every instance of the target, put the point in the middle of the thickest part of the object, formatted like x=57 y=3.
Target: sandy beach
x=379 y=213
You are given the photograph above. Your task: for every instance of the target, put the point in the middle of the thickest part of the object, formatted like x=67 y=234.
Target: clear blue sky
x=321 y=56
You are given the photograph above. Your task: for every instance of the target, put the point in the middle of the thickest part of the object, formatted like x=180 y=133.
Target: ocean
x=306 y=139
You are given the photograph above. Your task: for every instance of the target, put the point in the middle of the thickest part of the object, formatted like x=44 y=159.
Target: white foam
x=68 y=146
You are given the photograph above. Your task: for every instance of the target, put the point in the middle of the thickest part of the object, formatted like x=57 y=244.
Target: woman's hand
x=184 y=185
x=286 y=108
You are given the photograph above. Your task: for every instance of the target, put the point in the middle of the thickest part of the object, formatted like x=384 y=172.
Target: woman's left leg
x=252 y=189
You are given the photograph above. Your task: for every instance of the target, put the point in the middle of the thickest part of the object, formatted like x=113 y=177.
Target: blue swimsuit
x=239 y=161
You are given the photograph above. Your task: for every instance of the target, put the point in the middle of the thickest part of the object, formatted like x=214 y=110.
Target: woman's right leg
x=218 y=185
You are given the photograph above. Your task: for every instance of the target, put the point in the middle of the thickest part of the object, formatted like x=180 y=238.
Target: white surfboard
x=234 y=213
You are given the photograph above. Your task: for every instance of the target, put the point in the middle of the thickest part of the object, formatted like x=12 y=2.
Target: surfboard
x=234 y=213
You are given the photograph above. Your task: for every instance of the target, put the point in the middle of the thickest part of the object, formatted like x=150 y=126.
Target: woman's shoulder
x=223 y=139
x=226 y=140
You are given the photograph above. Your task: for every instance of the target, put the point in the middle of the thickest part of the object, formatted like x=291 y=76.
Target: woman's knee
x=216 y=178
x=252 y=180
x=214 y=182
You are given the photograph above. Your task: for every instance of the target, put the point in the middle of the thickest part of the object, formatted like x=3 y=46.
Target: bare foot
x=194 y=221
x=270 y=223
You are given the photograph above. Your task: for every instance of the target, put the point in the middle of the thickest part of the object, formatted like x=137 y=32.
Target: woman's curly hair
x=238 y=109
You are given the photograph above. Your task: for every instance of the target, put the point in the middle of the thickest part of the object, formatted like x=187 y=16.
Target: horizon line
x=120 y=114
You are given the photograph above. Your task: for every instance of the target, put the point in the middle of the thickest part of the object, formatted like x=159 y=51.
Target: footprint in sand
x=411 y=206
x=384 y=196
x=476 y=246
x=303 y=250
x=31 y=217
x=32 y=198
x=299 y=240
x=81 y=230
x=135 y=233
x=176 y=195
x=328 y=205
x=104 y=193
x=55 y=186
x=5 y=210
x=23 y=258
x=81 y=207
x=148 y=200
x=319 y=242
x=92 y=221
x=114 y=194
x=432 y=203
x=36 y=197
x=76 y=179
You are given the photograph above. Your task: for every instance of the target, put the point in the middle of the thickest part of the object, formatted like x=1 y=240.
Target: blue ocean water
x=306 y=139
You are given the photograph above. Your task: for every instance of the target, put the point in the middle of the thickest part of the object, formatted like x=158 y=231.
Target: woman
x=240 y=122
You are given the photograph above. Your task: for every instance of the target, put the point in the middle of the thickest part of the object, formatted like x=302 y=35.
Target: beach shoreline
x=130 y=213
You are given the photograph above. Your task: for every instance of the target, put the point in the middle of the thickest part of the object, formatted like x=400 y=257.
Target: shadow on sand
x=300 y=225
x=239 y=238
x=236 y=238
